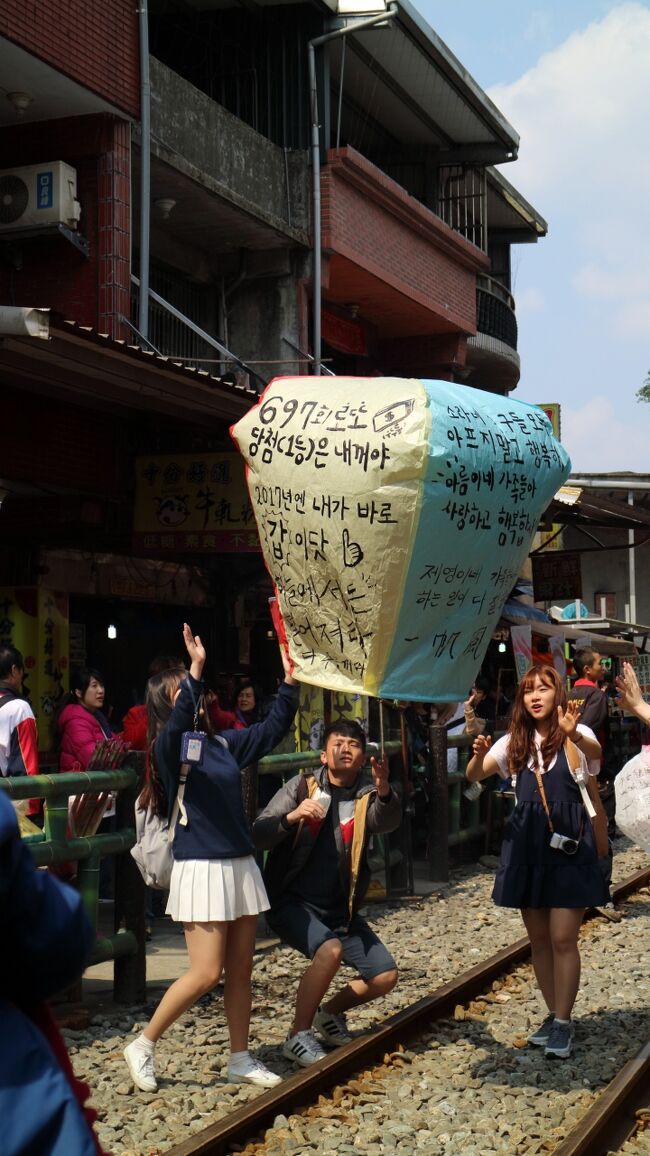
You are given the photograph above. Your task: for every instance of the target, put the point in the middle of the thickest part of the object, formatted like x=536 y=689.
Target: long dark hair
x=522 y=725
x=159 y=700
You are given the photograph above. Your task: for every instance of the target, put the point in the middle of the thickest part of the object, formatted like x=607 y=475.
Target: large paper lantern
x=394 y=516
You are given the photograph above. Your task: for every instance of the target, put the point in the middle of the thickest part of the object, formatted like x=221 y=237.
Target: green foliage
x=643 y=394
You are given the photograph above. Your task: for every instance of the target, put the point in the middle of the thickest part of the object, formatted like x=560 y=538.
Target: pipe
x=199 y=332
x=632 y=564
x=312 y=45
x=145 y=169
x=601 y=482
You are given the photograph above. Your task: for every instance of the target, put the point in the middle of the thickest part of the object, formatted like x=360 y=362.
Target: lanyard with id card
x=193 y=742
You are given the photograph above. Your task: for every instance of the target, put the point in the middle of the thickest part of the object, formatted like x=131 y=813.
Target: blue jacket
x=46 y=940
x=217 y=827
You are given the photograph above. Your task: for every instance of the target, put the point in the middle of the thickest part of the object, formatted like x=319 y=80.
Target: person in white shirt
x=549 y=862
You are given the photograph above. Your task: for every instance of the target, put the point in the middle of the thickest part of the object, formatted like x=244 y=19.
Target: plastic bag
x=632 y=786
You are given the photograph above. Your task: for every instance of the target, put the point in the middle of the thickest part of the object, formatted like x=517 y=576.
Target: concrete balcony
x=492 y=358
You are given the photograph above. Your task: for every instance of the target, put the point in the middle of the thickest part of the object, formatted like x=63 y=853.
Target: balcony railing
x=495 y=311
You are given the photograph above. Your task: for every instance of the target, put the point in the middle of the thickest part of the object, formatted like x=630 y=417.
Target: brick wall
x=49 y=271
x=58 y=444
x=95 y=42
x=372 y=221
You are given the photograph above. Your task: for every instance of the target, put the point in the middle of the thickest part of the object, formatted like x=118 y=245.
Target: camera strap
x=542 y=795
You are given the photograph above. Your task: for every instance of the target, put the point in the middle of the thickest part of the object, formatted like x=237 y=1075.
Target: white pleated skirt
x=215 y=890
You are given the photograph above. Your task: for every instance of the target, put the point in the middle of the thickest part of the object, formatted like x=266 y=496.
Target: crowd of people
x=315 y=831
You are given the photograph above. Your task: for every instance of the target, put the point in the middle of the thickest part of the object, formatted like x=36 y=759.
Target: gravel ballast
x=469 y=1086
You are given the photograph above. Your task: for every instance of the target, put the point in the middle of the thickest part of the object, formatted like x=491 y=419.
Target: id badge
x=192 y=747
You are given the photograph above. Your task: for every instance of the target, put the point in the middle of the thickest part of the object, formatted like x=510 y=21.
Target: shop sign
x=557 y=576
x=194 y=504
x=553 y=411
x=344 y=334
x=36 y=622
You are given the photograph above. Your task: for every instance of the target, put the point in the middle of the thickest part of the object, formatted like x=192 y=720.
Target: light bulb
x=112 y=631
x=502 y=648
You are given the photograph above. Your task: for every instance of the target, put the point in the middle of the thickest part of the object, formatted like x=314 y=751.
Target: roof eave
x=449 y=64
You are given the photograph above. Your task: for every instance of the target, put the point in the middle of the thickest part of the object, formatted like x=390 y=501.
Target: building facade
x=416 y=229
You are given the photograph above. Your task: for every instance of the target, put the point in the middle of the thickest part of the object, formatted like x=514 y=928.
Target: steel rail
x=613 y=1118
x=303 y=1088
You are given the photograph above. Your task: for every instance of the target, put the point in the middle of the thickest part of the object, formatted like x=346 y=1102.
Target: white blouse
x=499 y=752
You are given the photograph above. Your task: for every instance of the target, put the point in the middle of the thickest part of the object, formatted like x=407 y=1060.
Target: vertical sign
x=36 y=622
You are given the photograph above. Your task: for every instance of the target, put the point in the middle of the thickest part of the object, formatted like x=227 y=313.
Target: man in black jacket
x=316 y=828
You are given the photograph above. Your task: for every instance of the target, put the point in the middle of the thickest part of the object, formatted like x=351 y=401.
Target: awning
x=75 y=359
x=616 y=647
x=579 y=506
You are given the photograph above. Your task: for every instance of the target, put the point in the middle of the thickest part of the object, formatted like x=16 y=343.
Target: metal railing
x=54 y=846
x=495 y=314
x=453 y=819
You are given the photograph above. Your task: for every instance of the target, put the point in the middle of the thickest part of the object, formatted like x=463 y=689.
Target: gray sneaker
x=333 y=1028
x=560 y=1040
x=540 y=1037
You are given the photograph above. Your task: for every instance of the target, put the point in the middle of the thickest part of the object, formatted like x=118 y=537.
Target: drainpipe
x=145 y=169
x=315 y=166
x=632 y=564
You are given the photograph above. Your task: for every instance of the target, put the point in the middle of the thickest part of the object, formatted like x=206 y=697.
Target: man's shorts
x=301 y=928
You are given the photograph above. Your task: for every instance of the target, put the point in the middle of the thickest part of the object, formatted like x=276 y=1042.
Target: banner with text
x=192 y=503
x=394 y=516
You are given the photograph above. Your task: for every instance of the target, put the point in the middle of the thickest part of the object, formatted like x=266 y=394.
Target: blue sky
x=573 y=78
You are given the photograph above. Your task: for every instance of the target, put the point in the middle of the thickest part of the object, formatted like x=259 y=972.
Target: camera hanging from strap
x=542 y=794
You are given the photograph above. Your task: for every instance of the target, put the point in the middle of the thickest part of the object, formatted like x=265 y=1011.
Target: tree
x=643 y=394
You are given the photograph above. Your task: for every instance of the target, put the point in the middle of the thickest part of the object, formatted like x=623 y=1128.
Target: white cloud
x=598 y=441
x=582 y=114
x=633 y=320
x=596 y=281
x=530 y=300
x=627 y=289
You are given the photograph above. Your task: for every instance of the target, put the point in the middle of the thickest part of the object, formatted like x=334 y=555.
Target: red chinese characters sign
x=194 y=504
x=344 y=334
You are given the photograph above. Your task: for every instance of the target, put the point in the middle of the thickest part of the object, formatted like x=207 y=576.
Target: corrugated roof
x=88 y=333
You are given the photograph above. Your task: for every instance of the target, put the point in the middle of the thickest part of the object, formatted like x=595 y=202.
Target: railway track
x=613 y=1114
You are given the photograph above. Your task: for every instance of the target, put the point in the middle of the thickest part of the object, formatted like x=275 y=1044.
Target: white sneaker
x=141 y=1066
x=332 y=1028
x=252 y=1071
x=304 y=1048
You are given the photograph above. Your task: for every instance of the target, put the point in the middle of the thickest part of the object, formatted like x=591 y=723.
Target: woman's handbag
x=154 y=839
x=591 y=799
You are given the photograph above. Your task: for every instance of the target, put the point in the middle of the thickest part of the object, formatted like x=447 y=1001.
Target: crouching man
x=316 y=828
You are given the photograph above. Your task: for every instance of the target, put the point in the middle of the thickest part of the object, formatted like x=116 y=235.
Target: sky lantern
x=394 y=516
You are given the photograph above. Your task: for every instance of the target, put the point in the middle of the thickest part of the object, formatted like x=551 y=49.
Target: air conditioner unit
x=37 y=195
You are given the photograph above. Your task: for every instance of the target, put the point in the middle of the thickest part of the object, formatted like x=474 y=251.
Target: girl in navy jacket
x=216 y=888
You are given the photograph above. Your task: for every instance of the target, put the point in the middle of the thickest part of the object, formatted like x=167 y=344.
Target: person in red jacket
x=18 y=737
x=134 y=723
x=81 y=723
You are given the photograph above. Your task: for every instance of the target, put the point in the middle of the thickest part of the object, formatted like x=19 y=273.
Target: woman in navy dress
x=550 y=880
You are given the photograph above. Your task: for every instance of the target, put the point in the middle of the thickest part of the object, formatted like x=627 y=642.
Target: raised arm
x=629 y=694
x=481 y=765
x=568 y=720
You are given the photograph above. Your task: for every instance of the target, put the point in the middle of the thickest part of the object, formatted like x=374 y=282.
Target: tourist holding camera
x=549 y=863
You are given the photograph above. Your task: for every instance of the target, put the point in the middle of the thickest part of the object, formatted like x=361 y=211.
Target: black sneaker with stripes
x=303 y=1048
